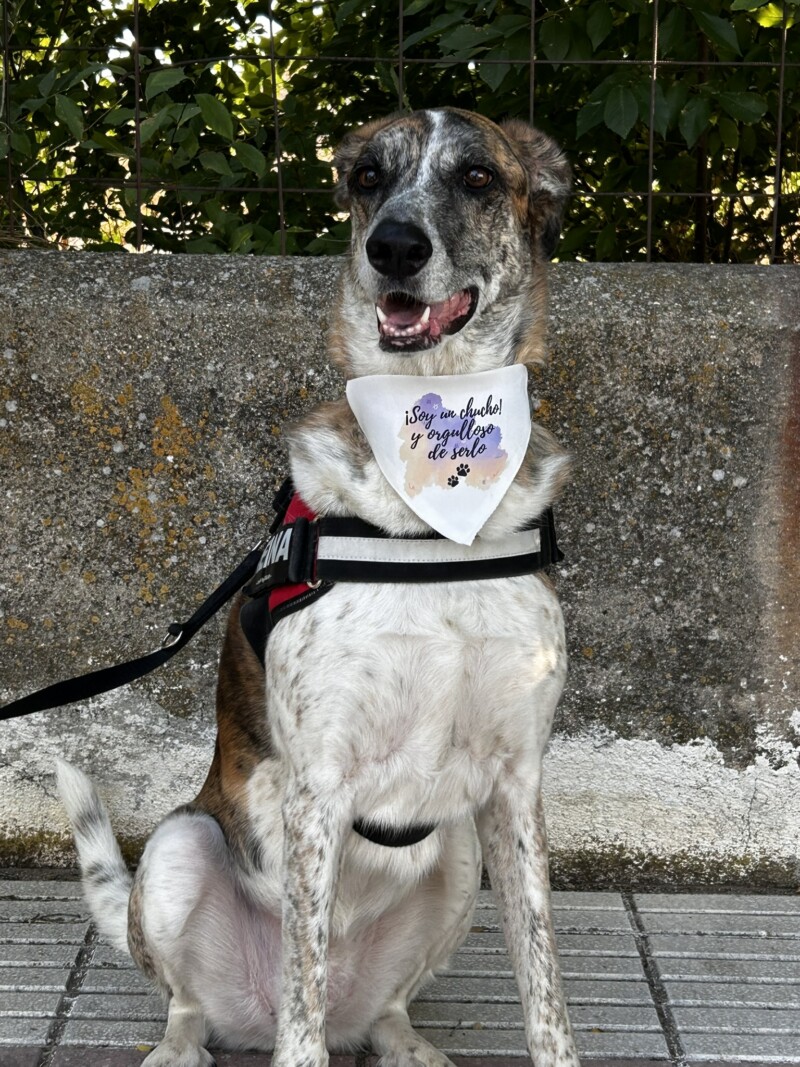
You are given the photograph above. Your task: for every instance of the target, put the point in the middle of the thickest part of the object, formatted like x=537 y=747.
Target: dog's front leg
x=514 y=842
x=313 y=831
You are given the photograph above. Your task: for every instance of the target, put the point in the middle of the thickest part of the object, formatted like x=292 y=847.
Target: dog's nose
x=398 y=249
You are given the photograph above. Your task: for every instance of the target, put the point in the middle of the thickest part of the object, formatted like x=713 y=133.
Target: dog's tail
x=106 y=880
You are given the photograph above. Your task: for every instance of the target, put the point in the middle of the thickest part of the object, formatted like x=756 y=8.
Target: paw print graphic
x=452 y=480
x=462 y=469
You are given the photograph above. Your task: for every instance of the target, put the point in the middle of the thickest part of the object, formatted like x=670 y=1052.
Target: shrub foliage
x=154 y=125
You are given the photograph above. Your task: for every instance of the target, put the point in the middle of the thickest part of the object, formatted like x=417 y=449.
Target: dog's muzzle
x=398 y=251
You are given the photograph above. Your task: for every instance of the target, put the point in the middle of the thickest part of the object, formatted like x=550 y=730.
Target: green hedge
x=68 y=121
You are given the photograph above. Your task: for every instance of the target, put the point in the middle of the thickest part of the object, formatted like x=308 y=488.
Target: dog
x=258 y=910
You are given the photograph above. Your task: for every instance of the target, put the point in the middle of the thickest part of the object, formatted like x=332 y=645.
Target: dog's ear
x=549 y=182
x=348 y=153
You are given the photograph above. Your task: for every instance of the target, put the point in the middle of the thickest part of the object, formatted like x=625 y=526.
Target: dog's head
x=453 y=218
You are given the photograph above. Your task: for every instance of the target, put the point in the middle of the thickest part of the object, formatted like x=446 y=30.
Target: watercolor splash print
x=446 y=447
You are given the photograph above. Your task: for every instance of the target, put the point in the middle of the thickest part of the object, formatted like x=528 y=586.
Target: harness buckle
x=289 y=558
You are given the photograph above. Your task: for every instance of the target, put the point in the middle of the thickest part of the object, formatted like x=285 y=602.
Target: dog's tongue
x=400 y=316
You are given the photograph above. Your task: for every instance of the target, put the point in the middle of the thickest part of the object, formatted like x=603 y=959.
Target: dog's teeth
x=426 y=314
x=382 y=316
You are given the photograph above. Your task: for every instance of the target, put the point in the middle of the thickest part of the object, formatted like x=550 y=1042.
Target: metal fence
x=778 y=205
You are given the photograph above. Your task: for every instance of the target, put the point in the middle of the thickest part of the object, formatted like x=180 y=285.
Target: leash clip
x=174 y=633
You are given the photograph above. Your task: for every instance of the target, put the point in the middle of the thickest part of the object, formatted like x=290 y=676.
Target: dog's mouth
x=411 y=325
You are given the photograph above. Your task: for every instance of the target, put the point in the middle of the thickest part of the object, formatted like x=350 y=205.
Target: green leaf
x=47 y=82
x=554 y=35
x=108 y=144
x=152 y=124
x=216 y=162
x=621 y=110
x=599 y=24
x=694 y=119
x=217 y=213
x=671 y=31
x=239 y=236
x=589 y=116
x=20 y=143
x=718 y=30
x=118 y=116
x=772 y=15
x=215 y=115
x=642 y=91
x=250 y=158
x=202 y=244
x=675 y=97
x=747 y=107
x=606 y=244
x=466 y=38
x=441 y=22
x=416 y=6
x=728 y=131
x=161 y=81
x=345 y=10
x=3 y=145
x=68 y=112
x=747 y=5
x=493 y=73
x=182 y=113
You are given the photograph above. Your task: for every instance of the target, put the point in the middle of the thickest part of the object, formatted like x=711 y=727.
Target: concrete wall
x=141 y=406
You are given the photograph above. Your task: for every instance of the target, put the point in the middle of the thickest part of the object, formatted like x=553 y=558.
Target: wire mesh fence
x=163 y=124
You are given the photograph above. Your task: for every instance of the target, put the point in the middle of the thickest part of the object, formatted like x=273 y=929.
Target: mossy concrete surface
x=142 y=400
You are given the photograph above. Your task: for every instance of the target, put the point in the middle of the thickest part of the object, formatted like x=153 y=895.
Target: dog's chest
x=415 y=692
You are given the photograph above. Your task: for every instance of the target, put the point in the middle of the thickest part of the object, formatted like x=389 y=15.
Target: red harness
x=297 y=509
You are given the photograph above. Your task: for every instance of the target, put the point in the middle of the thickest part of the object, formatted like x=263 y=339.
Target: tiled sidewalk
x=651 y=980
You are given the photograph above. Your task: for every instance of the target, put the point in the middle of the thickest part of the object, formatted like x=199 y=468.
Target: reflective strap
x=415 y=550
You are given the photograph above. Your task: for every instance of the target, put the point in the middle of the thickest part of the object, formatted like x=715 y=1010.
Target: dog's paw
x=452 y=480
x=462 y=469
x=171 y=1054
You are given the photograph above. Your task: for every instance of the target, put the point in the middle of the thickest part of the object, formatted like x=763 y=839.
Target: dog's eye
x=478 y=178
x=367 y=177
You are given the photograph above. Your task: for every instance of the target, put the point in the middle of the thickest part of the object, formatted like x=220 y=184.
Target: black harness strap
x=181 y=633
x=296 y=555
x=395 y=836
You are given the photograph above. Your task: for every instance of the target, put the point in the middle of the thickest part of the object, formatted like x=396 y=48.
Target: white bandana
x=451 y=445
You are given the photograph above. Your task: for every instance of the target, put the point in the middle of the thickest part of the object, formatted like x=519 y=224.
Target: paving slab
x=139 y=1007
x=735 y=994
x=475 y=963
x=493 y=990
x=21 y=1056
x=26 y=1004
x=40 y=910
x=33 y=979
x=485 y=1042
x=709 y=946
x=720 y=902
x=714 y=978
x=728 y=968
x=51 y=955
x=39 y=889
x=16 y=1031
x=759 y=1048
x=115 y=980
x=108 y=1057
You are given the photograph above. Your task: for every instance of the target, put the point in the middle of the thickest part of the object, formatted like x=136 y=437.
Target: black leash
x=180 y=634
x=294 y=559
